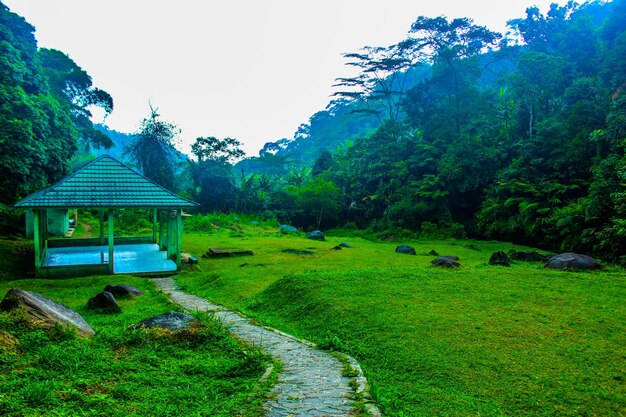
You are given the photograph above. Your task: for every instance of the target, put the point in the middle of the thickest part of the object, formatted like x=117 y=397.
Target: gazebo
x=106 y=185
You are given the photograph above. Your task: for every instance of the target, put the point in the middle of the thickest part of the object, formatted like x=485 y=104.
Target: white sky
x=249 y=69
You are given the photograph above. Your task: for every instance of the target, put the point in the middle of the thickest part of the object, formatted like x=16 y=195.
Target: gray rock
x=345 y=245
x=446 y=261
x=572 y=261
x=406 y=249
x=122 y=290
x=499 y=258
x=45 y=312
x=316 y=235
x=254 y=223
x=287 y=229
x=104 y=301
x=173 y=321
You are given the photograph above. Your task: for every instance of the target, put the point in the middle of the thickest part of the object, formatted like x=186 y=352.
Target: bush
x=447 y=230
x=11 y=222
x=211 y=222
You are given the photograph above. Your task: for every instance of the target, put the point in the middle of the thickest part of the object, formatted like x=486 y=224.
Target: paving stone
x=311 y=384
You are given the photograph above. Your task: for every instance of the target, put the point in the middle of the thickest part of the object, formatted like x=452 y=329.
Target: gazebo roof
x=105 y=182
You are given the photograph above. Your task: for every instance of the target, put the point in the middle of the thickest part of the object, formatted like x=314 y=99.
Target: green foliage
x=319 y=198
x=214 y=149
x=153 y=150
x=72 y=86
x=215 y=188
x=121 y=371
x=210 y=223
x=523 y=143
x=44 y=97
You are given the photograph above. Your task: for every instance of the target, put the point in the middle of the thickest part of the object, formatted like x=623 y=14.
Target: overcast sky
x=249 y=69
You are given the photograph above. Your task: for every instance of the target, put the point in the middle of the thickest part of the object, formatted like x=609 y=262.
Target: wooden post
x=179 y=236
x=36 y=241
x=111 y=240
x=154 y=226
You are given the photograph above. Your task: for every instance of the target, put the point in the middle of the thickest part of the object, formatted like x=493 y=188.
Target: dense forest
x=454 y=131
x=464 y=131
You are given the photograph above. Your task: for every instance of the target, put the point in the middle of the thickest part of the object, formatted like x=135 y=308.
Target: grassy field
x=121 y=372
x=479 y=340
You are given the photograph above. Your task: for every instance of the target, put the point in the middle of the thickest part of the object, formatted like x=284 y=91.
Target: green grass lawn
x=480 y=340
x=121 y=372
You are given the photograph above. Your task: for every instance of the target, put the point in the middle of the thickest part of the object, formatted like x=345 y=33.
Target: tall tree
x=211 y=148
x=37 y=136
x=452 y=48
x=382 y=79
x=212 y=173
x=72 y=86
x=153 y=150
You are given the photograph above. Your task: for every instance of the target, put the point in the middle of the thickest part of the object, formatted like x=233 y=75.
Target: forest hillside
x=454 y=130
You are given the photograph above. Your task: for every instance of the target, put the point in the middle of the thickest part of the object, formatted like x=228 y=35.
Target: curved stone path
x=311 y=383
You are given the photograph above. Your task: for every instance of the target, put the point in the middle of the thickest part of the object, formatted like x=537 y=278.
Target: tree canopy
x=152 y=150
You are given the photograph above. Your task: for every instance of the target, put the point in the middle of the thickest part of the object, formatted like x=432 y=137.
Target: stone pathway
x=310 y=384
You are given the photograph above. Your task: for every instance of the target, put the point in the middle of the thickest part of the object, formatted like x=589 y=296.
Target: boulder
x=45 y=312
x=499 y=258
x=446 y=261
x=345 y=245
x=316 y=235
x=287 y=229
x=254 y=223
x=104 y=301
x=406 y=249
x=173 y=321
x=122 y=290
x=298 y=252
x=188 y=259
x=572 y=261
x=528 y=256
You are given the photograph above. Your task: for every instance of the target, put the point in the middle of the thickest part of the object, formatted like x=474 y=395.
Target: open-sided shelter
x=106 y=184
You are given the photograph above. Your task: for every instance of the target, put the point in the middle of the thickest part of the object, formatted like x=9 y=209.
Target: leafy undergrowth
x=123 y=372
x=479 y=340
x=16 y=258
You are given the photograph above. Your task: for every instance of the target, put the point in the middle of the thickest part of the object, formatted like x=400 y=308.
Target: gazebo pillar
x=36 y=241
x=179 y=236
x=110 y=240
x=154 y=225
x=162 y=235
x=101 y=227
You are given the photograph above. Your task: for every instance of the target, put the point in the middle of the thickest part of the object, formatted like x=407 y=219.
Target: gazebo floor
x=128 y=259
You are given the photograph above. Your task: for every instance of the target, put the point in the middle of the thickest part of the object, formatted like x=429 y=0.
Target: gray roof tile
x=105 y=182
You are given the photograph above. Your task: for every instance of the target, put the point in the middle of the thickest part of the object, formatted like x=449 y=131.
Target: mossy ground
x=479 y=340
x=122 y=372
